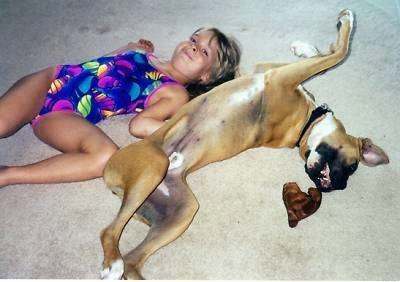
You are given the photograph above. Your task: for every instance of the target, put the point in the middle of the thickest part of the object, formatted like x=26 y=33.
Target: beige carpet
x=241 y=230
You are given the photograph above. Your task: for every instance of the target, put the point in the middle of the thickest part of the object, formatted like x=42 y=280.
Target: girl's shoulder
x=174 y=91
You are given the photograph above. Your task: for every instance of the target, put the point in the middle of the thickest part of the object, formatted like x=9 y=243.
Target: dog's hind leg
x=135 y=170
x=292 y=75
x=169 y=212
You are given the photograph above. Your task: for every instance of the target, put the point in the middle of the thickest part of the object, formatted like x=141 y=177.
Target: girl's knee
x=107 y=152
x=5 y=129
x=101 y=158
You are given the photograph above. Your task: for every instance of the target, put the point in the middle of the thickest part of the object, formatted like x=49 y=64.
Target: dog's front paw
x=114 y=272
x=303 y=49
x=346 y=15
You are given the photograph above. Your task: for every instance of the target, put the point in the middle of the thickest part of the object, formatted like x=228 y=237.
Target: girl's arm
x=167 y=102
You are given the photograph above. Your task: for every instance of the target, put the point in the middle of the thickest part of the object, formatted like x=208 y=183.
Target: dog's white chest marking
x=175 y=160
x=320 y=130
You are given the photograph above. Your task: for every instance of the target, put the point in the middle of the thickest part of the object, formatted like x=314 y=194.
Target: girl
x=63 y=103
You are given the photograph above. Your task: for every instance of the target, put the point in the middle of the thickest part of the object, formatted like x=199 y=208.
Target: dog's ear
x=371 y=154
x=300 y=205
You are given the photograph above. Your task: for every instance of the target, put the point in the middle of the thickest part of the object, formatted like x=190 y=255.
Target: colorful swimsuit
x=104 y=87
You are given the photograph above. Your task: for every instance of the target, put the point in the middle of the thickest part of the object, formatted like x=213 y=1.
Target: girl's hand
x=147 y=45
x=142 y=44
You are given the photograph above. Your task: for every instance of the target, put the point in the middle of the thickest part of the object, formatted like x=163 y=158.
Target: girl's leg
x=23 y=101
x=85 y=151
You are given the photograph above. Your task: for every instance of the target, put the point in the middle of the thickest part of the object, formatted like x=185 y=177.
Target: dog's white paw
x=347 y=15
x=114 y=272
x=303 y=49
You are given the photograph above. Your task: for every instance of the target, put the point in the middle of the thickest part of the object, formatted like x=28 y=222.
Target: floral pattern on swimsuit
x=104 y=87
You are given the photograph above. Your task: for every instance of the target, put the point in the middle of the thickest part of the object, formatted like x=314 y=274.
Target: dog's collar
x=316 y=113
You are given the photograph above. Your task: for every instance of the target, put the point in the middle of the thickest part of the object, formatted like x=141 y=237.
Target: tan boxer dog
x=268 y=108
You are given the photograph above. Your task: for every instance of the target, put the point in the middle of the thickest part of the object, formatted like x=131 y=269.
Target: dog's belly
x=216 y=129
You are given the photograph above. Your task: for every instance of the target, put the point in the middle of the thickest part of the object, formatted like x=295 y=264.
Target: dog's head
x=332 y=155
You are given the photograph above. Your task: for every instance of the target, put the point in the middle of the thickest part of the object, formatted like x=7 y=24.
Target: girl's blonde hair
x=227 y=66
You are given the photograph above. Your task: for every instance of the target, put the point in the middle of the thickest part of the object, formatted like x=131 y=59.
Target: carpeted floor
x=241 y=229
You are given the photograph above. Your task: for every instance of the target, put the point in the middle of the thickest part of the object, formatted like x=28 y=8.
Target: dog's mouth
x=327 y=168
x=321 y=177
x=324 y=178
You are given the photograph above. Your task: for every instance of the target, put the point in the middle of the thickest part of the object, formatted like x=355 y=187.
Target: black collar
x=316 y=113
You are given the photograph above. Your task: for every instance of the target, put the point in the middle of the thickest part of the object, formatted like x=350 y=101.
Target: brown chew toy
x=299 y=205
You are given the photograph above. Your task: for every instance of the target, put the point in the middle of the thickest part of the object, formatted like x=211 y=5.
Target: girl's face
x=194 y=58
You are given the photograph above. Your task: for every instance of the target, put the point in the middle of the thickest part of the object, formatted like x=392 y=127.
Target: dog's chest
x=229 y=103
